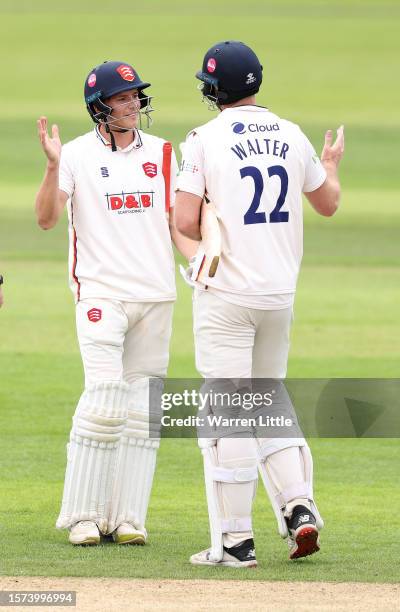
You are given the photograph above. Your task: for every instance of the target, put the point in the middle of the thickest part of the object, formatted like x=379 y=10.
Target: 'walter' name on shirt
x=260 y=146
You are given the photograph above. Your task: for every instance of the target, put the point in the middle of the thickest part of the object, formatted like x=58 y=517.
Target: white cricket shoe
x=85 y=533
x=126 y=533
x=242 y=555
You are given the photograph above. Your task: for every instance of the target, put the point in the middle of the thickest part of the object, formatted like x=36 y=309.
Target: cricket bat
x=209 y=251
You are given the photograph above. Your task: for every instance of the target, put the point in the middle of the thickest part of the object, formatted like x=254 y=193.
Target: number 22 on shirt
x=253 y=215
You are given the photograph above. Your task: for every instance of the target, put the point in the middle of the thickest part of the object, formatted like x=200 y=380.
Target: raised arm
x=325 y=199
x=50 y=200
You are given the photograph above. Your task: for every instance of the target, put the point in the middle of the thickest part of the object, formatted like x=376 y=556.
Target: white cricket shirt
x=253 y=166
x=119 y=239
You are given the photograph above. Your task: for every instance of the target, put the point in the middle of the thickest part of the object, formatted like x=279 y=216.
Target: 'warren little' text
x=213 y=420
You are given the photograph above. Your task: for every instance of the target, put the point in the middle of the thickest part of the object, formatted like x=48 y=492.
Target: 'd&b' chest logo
x=130 y=202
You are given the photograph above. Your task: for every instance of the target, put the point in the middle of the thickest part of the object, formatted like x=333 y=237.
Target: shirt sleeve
x=315 y=173
x=66 y=180
x=191 y=172
x=174 y=174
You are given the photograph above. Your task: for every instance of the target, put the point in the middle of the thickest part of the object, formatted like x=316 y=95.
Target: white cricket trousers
x=232 y=341
x=123 y=340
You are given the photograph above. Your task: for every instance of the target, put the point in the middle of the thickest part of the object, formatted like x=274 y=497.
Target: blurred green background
x=325 y=63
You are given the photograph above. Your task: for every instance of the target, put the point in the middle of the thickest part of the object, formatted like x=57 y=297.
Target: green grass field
x=325 y=63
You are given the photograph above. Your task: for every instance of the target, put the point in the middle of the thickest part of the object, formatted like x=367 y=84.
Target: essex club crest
x=150 y=169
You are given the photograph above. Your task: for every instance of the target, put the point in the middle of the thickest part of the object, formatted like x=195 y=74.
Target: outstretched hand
x=50 y=145
x=333 y=152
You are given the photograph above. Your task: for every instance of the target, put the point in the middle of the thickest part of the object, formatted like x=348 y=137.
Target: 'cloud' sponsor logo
x=238 y=128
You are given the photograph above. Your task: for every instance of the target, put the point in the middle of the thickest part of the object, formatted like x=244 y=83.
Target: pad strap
x=236 y=475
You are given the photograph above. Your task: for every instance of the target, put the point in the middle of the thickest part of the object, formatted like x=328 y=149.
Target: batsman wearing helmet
x=254 y=167
x=118 y=185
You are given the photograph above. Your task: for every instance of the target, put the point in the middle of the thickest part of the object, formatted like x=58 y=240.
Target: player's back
x=256 y=166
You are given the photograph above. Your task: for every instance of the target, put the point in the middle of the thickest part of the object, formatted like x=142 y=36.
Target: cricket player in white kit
x=118 y=184
x=254 y=167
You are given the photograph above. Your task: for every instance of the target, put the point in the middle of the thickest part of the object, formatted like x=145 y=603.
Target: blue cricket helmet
x=231 y=71
x=106 y=80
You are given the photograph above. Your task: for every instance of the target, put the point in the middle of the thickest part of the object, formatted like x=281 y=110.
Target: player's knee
x=144 y=413
x=102 y=411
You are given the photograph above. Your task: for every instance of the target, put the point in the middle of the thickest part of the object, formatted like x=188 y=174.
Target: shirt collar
x=136 y=144
x=247 y=107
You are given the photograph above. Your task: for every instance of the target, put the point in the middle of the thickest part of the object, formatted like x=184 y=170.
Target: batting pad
x=279 y=493
x=136 y=460
x=92 y=451
x=215 y=476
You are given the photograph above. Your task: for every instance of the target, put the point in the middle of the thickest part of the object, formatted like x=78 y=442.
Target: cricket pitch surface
x=109 y=594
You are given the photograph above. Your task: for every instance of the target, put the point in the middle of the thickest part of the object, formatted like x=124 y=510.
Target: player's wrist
x=330 y=161
x=53 y=165
x=331 y=167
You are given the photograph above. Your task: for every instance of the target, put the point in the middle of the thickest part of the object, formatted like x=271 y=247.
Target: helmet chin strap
x=120 y=130
x=113 y=145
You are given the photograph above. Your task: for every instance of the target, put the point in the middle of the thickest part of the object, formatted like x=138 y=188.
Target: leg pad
x=280 y=496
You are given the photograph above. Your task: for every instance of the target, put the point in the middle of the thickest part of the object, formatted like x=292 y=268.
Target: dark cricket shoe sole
x=303 y=537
